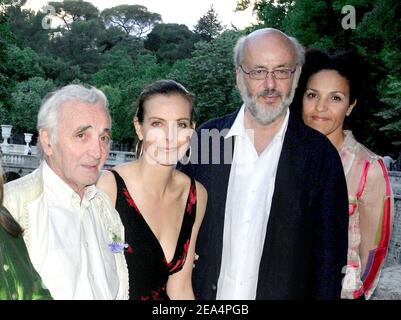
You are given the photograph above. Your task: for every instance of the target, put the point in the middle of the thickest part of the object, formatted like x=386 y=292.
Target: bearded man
x=276 y=221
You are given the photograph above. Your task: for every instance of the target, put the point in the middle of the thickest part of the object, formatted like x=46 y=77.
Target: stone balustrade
x=14 y=160
x=394 y=253
x=20 y=160
x=20 y=149
x=118 y=157
x=389 y=286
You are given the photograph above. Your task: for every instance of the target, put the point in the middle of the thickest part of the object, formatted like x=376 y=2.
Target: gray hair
x=52 y=103
x=240 y=46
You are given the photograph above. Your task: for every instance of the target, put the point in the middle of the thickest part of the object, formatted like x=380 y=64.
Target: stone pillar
x=5 y=133
x=28 y=139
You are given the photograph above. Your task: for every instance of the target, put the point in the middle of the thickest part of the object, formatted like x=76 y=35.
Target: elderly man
x=69 y=225
x=276 y=222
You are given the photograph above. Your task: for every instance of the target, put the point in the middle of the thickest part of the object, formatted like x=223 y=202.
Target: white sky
x=178 y=11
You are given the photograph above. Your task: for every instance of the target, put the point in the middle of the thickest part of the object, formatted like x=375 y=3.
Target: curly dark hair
x=348 y=64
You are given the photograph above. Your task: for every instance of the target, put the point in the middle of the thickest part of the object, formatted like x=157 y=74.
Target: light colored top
x=68 y=239
x=249 y=196
x=370 y=217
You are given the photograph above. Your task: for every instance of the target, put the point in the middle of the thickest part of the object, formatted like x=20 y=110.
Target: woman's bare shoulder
x=127 y=170
x=106 y=178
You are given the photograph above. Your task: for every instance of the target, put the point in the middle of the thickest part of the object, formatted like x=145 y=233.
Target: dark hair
x=6 y=220
x=163 y=87
x=348 y=64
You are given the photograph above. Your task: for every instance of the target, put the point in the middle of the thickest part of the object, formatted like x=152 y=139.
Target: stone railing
x=118 y=157
x=18 y=165
x=14 y=160
x=20 y=149
x=21 y=160
x=394 y=253
x=389 y=286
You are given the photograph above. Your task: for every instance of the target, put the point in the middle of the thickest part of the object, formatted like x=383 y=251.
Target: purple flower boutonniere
x=117 y=245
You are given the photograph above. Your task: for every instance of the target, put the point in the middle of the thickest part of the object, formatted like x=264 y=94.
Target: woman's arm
x=179 y=285
x=107 y=183
x=375 y=221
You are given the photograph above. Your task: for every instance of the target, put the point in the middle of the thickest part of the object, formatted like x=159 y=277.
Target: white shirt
x=249 y=197
x=69 y=244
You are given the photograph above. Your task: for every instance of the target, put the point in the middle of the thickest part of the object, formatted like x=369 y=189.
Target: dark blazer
x=306 y=240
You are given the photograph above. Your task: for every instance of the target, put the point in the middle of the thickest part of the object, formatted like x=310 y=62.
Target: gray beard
x=266 y=114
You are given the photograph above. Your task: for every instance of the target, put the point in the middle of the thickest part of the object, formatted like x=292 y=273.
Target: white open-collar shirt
x=69 y=243
x=249 y=197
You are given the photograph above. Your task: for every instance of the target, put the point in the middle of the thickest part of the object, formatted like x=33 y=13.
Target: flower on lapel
x=117 y=245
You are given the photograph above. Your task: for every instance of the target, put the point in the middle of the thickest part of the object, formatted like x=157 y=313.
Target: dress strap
x=192 y=198
x=184 y=237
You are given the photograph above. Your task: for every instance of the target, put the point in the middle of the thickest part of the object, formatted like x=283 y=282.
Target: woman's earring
x=188 y=157
x=136 y=149
x=350 y=108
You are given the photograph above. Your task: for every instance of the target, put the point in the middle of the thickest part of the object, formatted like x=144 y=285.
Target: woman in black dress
x=161 y=208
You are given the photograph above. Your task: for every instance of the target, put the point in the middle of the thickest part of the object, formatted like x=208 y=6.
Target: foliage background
x=123 y=48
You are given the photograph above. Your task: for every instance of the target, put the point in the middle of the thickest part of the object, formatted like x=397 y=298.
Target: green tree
x=123 y=79
x=59 y=70
x=378 y=39
x=121 y=114
x=146 y=70
x=116 y=72
x=22 y=64
x=210 y=75
x=81 y=46
x=3 y=113
x=74 y=10
x=171 y=42
x=208 y=26
x=392 y=114
x=6 y=4
x=26 y=25
x=133 y=19
x=6 y=39
x=242 y=5
x=26 y=100
x=270 y=13
x=114 y=39
x=315 y=23
x=318 y=24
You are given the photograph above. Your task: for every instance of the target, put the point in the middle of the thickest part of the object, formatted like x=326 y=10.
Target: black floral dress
x=148 y=268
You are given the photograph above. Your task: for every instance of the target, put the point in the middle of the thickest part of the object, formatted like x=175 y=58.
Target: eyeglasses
x=262 y=74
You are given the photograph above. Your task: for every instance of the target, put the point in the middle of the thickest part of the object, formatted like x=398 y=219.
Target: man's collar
x=238 y=127
x=63 y=191
x=281 y=133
